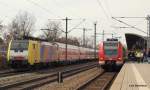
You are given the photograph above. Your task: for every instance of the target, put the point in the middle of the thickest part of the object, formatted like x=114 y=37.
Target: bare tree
x=73 y=41
x=86 y=42
x=7 y=37
x=22 y=25
x=91 y=43
x=3 y=32
x=1 y=26
x=1 y=40
x=52 y=30
x=80 y=40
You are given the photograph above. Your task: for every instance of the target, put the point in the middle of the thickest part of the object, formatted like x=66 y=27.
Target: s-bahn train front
x=111 y=54
x=18 y=52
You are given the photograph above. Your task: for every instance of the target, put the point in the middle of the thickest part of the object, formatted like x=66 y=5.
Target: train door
x=56 y=54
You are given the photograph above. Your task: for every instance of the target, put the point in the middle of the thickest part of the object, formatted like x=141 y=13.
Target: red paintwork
x=19 y=58
x=120 y=50
x=103 y=58
x=101 y=52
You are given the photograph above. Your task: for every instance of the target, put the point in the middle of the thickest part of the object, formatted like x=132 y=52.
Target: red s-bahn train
x=111 y=54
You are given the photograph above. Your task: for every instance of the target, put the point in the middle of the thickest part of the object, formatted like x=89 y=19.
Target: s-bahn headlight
x=119 y=58
x=101 y=58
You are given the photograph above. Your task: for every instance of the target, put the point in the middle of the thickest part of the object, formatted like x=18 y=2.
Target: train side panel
x=34 y=53
x=120 y=58
x=61 y=54
x=101 y=54
x=73 y=54
x=48 y=53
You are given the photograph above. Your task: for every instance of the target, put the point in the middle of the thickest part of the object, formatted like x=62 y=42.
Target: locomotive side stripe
x=8 y=52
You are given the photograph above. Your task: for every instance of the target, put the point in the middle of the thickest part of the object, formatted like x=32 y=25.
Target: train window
x=111 y=52
x=112 y=39
x=110 y=44
x=19 y=45
x=111 y=48
x=33 y=46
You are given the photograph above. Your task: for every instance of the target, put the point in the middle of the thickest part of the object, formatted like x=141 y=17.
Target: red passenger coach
x=111 y=53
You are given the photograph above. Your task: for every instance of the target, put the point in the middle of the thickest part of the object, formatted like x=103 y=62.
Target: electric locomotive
x=24 y=53
x=111 y=53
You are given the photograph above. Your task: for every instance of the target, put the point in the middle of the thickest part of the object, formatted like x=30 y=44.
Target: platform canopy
x=135 y=41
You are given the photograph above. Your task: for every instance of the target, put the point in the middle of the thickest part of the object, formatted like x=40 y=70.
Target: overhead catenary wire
x=45 y=9
x=107 y=5
x=108 y=8
x=139 y=23
x=107 y=15
x=129 y=25
x=62 y=7
x=143 y=19
x=77 y=25
x=100 y=4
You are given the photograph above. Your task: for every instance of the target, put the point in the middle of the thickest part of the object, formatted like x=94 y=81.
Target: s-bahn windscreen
x=110 y=48
x=19 y=45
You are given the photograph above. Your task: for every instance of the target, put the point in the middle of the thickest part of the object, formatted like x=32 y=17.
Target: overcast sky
x=99 y=11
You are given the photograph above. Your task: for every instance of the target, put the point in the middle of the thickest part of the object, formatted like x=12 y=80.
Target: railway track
x=12 y=72
x=32 y=80
x=102 y=82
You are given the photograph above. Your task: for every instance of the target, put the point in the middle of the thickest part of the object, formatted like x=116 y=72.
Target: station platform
x=133 y=76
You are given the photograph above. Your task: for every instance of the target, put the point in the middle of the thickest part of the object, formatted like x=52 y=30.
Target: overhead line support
x=66 y=19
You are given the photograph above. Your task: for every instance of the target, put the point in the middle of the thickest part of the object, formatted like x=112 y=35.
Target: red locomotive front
x=110 y=54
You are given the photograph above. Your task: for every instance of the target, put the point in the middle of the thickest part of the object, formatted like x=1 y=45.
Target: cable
x=129 y=25
x=138 y=23
x=100 y=4
x=47 y=10
x=77 y=25
x=105 y=13
x=59 y=5
x=106 y=3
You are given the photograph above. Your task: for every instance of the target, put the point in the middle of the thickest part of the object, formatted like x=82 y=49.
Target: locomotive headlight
x=119 y=58
x=101 y=58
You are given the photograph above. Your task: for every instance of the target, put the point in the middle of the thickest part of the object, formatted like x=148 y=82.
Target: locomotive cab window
x=33 y=46
x=110 y=48
x=111 y=52
x=19 y=45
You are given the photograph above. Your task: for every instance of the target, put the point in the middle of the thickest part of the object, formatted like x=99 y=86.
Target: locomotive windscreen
x=19 y=45
x=110 y=48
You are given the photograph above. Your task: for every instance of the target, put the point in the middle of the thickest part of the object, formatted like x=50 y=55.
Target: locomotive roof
x=62 y=45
